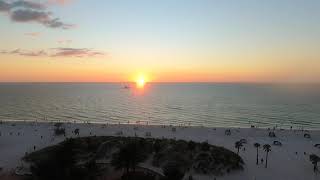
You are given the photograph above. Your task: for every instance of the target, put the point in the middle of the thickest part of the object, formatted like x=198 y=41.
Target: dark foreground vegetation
x=116 y=158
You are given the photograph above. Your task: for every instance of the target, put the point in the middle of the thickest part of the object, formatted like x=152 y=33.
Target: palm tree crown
x=267 y=149
x=256 y=145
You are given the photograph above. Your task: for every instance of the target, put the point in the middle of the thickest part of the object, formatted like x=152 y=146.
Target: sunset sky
x=165 y=40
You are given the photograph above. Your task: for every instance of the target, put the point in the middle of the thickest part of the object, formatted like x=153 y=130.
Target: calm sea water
x=229 y=105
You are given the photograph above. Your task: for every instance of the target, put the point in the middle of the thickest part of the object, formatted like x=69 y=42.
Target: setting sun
x=141 y=81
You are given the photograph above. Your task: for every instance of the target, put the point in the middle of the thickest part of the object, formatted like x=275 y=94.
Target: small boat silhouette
x=126 y=87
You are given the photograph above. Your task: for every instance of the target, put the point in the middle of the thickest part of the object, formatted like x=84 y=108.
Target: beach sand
x=287 y=162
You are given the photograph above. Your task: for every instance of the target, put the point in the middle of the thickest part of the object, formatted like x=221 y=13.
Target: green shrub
x=174 y=170
x=205 y=146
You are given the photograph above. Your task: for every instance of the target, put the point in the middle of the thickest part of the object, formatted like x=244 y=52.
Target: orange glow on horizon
x=26 y=69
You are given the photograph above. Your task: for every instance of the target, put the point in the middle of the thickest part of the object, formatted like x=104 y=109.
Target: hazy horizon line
x=154 y=82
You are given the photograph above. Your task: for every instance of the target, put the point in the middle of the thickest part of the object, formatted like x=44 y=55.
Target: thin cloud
x=25 y=15
x=64 y=41
x=28 y=4
x=26 y=11
x=76 y=52
x=33 y=34
x=16 y=51
x=56 y=23
x=57 y=52
x=4 y=6
x=9 y=5
x=13 y=52
x=59 y=2
x=35 y=54
x=24 y=53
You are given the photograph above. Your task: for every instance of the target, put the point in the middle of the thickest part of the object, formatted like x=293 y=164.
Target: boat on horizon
x=126 y=87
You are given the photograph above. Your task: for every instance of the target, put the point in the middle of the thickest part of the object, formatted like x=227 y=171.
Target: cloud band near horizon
x=56 y=52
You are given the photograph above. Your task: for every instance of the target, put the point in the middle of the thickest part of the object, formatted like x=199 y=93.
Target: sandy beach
x=289 y=161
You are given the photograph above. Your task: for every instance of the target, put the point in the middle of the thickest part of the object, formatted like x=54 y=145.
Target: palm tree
x=267 y=148
x=257 y=145
x=314 y=159
x=238 y=145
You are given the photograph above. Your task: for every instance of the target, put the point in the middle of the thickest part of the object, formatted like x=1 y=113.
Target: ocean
x=187 y=104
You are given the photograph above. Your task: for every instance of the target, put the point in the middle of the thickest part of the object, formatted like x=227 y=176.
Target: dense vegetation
x=88 y=158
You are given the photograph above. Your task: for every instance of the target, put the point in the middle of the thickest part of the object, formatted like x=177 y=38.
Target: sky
x=162 y=40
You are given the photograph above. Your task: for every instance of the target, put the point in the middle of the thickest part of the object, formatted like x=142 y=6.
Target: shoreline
x=146 y=123
x=18 y=137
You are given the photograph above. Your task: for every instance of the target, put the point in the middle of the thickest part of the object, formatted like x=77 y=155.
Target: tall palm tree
x=238 y=145
x=267 y=149
x=314 y=159
x=257 y=145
